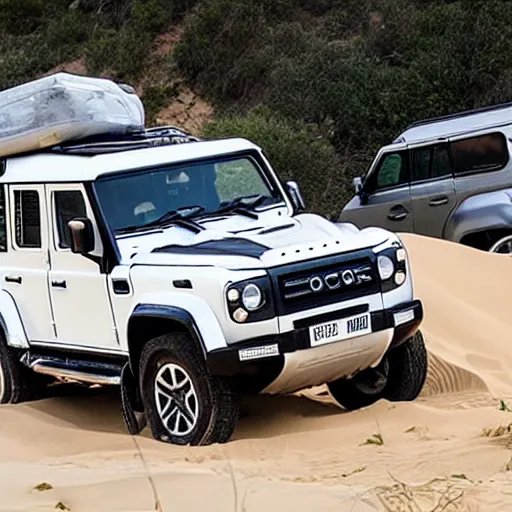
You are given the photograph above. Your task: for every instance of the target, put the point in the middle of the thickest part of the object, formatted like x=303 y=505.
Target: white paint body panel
x=85 y=301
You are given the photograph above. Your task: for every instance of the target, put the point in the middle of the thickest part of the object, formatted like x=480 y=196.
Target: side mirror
x=82 y=235
x=359 y=190
x=296 y=195
x=358 y=185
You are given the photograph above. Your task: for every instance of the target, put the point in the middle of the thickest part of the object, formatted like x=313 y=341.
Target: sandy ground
x=302 y=453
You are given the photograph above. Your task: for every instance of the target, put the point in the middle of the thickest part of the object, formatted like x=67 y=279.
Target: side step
x=91 y=372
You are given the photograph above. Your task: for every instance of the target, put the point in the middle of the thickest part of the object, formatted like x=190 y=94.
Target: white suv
x=183 y=271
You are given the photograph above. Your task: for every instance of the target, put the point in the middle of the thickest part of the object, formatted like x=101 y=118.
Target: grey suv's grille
x=316 y=284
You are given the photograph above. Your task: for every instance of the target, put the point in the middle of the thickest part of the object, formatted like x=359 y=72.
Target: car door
x=385 y=200
x=432 y=188
x=78 y=290
x=25 y=265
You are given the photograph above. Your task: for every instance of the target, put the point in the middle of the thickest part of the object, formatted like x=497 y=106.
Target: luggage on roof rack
x=64 y=107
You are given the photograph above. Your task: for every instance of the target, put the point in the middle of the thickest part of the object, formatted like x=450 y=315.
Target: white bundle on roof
x=64 y=107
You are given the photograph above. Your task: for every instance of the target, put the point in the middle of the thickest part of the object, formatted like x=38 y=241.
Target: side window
x=480 y=154
x=420 y=164
x=27 y=217
x=3 y=223
x=441 y=163
x=391 y=172
x=430 y=162
x=69 y=204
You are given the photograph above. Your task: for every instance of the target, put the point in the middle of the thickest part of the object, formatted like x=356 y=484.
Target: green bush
x=220 y=49
x=21 y=16
x=296 y=151
x=122 y=54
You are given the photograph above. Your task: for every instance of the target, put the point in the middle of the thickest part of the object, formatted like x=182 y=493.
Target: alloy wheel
x=176 y=400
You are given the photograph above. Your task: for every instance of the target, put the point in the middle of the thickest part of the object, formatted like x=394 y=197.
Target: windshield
x=135 y=200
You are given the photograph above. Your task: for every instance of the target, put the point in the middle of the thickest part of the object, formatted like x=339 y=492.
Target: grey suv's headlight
x=250 y=301
x=392 y=267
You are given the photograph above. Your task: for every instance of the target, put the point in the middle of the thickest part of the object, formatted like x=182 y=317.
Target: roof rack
x=102 y=144
x=464 y=113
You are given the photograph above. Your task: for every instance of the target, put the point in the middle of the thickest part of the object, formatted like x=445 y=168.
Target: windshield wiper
x=171 y=217
x=244 y=205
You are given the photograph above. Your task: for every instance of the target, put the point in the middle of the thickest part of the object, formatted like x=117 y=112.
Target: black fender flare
x=163 y=312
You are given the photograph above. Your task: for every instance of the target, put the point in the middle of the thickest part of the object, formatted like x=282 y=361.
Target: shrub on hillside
x=296 y=151
x=220 y=47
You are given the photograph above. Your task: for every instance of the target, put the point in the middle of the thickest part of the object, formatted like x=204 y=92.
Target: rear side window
x=69 y=205
x=27 y=218
x=480 y=154
x=430 y=163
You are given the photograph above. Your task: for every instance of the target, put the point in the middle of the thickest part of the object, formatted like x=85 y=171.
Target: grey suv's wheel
x=502 y=246
x=17 y=383
x=399 y=377
x=183 y=403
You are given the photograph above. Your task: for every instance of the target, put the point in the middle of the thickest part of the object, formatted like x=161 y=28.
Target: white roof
x=50 y=167
x=445 y=128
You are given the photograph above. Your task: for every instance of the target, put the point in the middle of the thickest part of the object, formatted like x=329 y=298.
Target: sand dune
x=302 y=452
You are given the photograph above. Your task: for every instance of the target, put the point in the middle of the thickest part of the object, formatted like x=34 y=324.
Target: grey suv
x=448 y=177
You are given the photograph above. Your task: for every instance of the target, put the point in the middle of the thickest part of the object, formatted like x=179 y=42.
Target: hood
x=238 y=242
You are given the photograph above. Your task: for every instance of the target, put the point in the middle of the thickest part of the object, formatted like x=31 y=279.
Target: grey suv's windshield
x=137 y=200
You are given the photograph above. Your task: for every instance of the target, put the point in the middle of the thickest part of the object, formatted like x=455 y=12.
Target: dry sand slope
x=301 y=452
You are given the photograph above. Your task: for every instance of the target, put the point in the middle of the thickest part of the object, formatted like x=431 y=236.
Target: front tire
x=398 y=378
x=184 y=405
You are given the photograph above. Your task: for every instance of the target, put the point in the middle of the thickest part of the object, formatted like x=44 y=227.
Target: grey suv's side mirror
x=82 y=235
x=359 y=190
x=358 y=185
x=296 y=195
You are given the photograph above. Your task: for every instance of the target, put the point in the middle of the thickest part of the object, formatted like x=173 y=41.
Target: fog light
x=240 y=315
x=247 y=354
x=386 y=267
x=233 y=295
x=403 y=317
x=400 y=278
x=401 y=255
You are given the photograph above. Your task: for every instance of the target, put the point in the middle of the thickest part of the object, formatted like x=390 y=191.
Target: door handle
x=13 y=279
x=397 y=213
x=439 y=201
x=397 y=216
x=59 y=284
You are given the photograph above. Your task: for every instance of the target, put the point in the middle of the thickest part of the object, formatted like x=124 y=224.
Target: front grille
x=323 y=282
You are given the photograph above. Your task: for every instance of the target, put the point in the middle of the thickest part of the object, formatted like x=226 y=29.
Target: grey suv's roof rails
x=464 y=113
x=150 y=137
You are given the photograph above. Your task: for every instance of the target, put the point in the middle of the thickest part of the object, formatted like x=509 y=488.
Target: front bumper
x=268 y=352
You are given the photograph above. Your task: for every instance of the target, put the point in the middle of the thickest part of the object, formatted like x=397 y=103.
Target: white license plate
x=330 y=332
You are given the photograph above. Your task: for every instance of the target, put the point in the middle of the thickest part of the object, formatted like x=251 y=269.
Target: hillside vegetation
x=320 y=84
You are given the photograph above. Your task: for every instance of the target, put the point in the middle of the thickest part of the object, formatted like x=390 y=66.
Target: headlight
x=386 y=267
x=252 y=298
x=392 y=265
